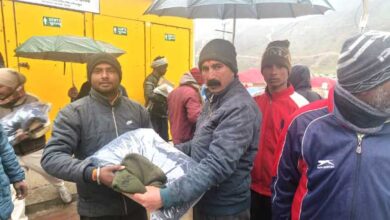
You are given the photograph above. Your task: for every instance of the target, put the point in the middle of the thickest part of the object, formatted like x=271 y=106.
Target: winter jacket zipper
x=117 y=135
x=357 y=174
x=113 y=116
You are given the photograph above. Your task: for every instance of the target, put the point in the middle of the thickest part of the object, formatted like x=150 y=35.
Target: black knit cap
x=277 y=52
x=220 y=50
x=99 y=58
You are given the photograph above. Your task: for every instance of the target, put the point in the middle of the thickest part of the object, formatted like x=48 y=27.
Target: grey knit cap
x=99 y=58
x=364 y=61
x=220 y=50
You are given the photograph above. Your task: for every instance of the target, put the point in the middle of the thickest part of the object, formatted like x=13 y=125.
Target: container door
x=48 y=79
x=174 y=44
x=127 y=35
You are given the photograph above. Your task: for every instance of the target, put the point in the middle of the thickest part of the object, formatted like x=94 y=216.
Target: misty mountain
x=314 y=40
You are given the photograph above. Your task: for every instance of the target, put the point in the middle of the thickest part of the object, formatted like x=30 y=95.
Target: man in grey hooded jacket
x=82 y=128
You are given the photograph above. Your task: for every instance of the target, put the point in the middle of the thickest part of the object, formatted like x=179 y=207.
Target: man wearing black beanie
x=224 y=145
x=333 y=160
x=82 y=128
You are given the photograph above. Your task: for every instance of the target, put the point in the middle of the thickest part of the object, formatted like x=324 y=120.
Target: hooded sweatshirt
x=300 y=80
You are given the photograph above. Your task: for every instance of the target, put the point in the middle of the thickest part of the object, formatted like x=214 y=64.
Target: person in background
x=85 y=126
x=300 y=80
x=224 y=145
x=156 y=103
x=333 y=156
x=29 y=150
x=277 y=103
x=184 y=106
x=10 y=172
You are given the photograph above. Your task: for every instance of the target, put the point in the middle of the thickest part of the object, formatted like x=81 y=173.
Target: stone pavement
x=69 y=212
x=59 y=212
x=42 y=195
x=43 y=201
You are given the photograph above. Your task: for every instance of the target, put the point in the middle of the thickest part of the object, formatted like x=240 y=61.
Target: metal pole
x=224 y=30
x=234 y=30
x=234 y=25
x=364 y=18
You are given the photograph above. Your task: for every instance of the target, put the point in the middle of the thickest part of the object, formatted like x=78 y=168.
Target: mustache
x=213 y=82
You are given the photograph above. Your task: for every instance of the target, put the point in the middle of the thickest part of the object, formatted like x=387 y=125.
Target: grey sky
x=205 y=29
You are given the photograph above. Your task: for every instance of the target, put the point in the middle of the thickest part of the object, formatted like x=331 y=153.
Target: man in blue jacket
x=10 y=172
x=224 y=144
x=334 y=158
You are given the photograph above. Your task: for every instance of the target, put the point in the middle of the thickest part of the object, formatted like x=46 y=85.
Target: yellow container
x=120 y=22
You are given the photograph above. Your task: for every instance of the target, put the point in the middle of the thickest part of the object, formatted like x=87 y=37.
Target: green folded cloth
x=139 y=172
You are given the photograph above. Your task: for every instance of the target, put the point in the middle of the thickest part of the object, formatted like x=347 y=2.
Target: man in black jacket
x=82 y=128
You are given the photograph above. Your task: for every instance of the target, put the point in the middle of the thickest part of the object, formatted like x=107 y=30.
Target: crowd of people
x=285 y=154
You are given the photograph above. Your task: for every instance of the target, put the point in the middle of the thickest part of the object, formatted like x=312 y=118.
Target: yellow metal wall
x=144 y=40
x=133 y=62
x=46 y=79
x=177 y=55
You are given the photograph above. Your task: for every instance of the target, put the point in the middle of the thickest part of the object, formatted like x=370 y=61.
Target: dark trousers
x=261 y=208
x=160 y=126
x=244 y=215
x=138 y=214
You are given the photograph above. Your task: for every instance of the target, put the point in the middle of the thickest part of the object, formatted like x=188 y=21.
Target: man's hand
x=73 y=92
x=107 y=174
x=21 y=189
x=151 y=199
x=20 y=136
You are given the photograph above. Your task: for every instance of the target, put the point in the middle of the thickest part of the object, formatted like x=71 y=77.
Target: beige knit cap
x=11 y=78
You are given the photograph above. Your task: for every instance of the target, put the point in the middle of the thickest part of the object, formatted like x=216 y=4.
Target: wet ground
x=62 y=212
x=69 y=212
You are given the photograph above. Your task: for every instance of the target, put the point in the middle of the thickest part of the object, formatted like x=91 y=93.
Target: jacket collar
x=224 y=93
x=103 y=99
x=373 y=125
x=14 y=104
x=155 y=75
x=283 y=93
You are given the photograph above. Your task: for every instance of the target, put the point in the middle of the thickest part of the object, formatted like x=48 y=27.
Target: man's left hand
x=151 y=199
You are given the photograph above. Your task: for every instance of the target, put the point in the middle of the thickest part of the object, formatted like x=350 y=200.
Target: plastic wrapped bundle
x=148 y=143
x=30 y=118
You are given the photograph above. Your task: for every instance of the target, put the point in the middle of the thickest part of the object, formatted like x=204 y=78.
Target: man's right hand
x=107 y=174
x=20 y=136
x=21 y=189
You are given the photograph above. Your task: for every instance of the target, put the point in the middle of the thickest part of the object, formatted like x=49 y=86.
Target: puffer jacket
x=82 y=128
x=224 y=145
x=327 y=170
x=29 y=145
x=10 y=172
